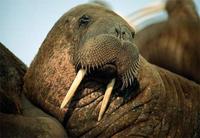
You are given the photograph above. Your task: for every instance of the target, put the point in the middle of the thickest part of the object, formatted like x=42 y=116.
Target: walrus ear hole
x=84 y=20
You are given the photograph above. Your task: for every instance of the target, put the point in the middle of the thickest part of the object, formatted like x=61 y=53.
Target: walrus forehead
x=96 y=12
x=90 y=8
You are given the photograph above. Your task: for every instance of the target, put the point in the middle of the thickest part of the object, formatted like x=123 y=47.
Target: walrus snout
x=102 y=53
x=104 y=49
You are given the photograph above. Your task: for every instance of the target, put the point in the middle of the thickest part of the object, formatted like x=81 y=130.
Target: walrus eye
x=84 y=20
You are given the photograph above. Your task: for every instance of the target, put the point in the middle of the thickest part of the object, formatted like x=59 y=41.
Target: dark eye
x=84 y=20
x=133 y=34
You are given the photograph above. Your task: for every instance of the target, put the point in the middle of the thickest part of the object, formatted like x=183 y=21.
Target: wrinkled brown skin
x=164 y=104
x=18 y=117
x=33 y=122
x=174 y=44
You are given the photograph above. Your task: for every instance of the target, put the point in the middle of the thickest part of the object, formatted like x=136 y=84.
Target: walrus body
x=12 y=71
x=174 y=44
x=153 y=103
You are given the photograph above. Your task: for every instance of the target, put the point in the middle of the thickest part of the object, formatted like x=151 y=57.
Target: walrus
x=87 y=48
x=12 y=71
x=174 y=44
x=92 y=49
x=15 y=109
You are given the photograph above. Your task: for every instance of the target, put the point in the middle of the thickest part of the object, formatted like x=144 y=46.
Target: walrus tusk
x=79 y=77
x=106 y=98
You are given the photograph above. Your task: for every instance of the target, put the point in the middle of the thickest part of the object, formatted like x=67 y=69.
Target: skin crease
x=174 y=44
x=158 y=104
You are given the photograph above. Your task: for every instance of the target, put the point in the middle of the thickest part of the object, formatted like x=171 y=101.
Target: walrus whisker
x=106 y=98
x=125 y=82
x=130 y=77
x=93 y=67
x=132 y=70
x=130 y=74
x=79 y=77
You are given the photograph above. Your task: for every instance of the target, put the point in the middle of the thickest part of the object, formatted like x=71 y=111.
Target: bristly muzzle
x=105 y=49
x=109 y=53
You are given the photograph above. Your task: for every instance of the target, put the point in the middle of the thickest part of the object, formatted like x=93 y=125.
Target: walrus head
x=99 y=46
x=103 y=42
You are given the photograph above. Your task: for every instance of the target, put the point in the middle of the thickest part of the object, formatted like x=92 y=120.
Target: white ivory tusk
x=106 y=98
x=79 y=77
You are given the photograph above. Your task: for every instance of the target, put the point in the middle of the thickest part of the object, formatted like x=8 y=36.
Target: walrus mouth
x=80 y=76
x=101 y=54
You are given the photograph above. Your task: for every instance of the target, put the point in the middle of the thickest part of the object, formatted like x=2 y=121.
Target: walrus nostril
x=117 y=32
x=120 y=32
